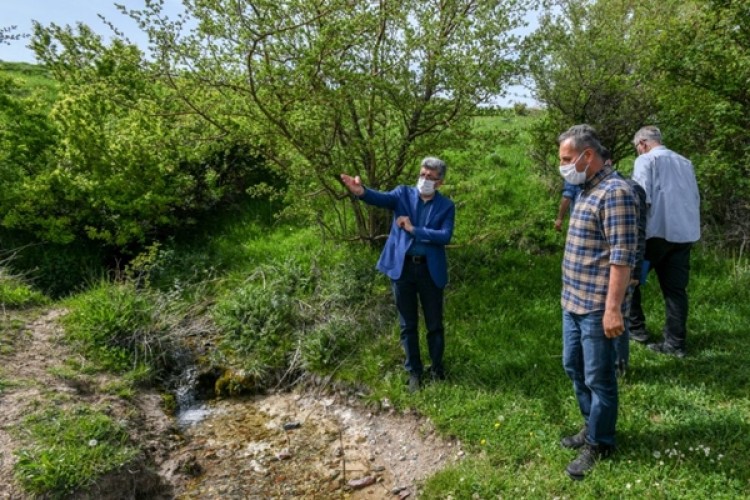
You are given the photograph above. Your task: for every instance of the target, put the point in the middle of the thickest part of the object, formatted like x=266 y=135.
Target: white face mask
x=425 y=186
x=571 y=175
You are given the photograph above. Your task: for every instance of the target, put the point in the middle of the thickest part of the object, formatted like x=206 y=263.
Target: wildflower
x=657 y=454
x=628 y=486
x=93 y=442
x=483 y=442
x=497 y=425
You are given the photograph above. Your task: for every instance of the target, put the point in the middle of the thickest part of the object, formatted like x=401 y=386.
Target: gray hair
x=647 y=133
x=436 y=165
x=582 y=137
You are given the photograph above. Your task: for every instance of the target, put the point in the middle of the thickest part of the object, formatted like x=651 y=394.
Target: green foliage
x=583 y=60
x=703 y=54
x=112 y=159
x=15 y=292
x=368 y=88
x=117 y=326
x=259 y=323
x=297 y=314
x=67 y=450
x=680 y=65
x=55 y=269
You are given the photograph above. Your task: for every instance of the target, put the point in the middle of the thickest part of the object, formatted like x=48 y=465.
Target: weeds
x=119 y=328
x=65 y=451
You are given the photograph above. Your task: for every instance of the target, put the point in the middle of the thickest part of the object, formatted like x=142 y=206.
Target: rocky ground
x=314 y=444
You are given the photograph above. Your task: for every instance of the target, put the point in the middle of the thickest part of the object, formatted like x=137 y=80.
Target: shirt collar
x=598 y=177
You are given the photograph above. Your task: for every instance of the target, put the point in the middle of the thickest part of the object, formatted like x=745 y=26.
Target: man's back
x=671 y=193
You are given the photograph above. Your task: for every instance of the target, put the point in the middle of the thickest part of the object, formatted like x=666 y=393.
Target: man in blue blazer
x=414 y=258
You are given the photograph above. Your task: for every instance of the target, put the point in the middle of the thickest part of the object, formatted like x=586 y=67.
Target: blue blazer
x=437 y=232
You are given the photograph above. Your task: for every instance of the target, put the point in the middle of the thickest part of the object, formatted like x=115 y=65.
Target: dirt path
x=31 y=351
x=278 y=446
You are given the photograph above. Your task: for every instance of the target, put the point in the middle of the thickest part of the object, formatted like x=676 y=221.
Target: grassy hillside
x=32 y=77
x=272 y=290
x=683 y=423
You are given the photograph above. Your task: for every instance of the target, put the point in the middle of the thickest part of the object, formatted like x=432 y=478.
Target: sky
x=21 y=13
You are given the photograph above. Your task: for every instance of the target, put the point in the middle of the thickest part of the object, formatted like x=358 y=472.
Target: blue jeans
x=589 y=361
x=413 y=287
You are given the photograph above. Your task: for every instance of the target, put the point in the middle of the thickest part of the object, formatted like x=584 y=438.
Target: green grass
x=683 y=424
x=67 y=450
x=33 y=78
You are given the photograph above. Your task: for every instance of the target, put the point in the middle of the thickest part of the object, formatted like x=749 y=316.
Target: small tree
x=583 y=61
x=339 y=85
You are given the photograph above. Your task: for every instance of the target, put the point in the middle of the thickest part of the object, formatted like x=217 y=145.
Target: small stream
x=289 y=445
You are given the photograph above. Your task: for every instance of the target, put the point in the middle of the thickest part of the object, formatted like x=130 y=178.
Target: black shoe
x=586 y=459
x=664 y=348
x=639 y=336
x=576 y=440
x=415 y=383
x=436 y=375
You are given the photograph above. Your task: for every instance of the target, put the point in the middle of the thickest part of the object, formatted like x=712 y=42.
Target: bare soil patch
x=289 y=445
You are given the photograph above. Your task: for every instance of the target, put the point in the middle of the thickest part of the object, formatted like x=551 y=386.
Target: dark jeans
x=413 y=287
x=671 y=261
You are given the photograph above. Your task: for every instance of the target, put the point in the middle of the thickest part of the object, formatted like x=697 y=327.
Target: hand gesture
x=353 y=184
x=404 y=223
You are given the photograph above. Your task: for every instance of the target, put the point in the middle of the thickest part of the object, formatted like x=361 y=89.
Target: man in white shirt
x=672 y=226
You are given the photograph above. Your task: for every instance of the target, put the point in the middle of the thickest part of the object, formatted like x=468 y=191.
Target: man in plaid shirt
x=600 y=252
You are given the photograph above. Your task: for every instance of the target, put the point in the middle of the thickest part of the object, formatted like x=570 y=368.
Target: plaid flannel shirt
x=603 y=231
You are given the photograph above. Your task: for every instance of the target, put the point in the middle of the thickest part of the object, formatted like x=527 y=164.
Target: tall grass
x=683 y=424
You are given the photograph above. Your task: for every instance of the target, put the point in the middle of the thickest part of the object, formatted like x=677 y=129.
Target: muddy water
x=293 y=446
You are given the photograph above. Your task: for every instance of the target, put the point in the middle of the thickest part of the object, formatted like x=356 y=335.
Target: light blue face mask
x=571 y=175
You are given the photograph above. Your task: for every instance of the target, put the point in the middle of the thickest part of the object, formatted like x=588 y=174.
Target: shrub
x=118 y=327
x=329 y=343
x=258 y=323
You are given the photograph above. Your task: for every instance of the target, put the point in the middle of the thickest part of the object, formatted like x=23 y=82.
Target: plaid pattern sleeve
x=603 y=231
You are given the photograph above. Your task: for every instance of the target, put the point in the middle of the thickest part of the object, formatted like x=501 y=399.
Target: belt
x=416 y=259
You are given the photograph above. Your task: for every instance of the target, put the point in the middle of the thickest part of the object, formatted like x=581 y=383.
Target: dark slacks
x=671 y=261
x=415 y=286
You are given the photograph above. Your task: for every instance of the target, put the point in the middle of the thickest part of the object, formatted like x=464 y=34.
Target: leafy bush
x=258 y=321
x=65 y=451
x=295 y=315
x=108 y=160
x=118 y=327
x=329 y=343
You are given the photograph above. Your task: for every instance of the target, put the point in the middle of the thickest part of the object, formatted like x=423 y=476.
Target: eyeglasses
x=428 y=176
